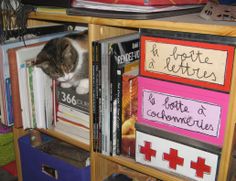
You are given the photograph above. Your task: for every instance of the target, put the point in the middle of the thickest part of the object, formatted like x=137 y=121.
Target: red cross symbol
x=147 y=151
x=200 y=167
x=173 y=158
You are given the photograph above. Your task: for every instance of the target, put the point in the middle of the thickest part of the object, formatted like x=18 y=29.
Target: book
x=71 y=115
x=129 y=112
x=112 y=53
x=70 y=98
x=17 y=63
x=152 y=2
x=42 y=87
x=124 y=56
x=74 y=131
x=43 y=95
x=126 y=11
x=5 y=79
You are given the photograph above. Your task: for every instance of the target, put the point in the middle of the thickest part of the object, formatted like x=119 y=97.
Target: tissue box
x=38 y=165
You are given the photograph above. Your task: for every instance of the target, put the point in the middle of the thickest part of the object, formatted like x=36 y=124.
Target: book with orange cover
x=129 y=112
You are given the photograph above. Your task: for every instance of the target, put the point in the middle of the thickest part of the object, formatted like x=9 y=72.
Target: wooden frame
x=104 y=27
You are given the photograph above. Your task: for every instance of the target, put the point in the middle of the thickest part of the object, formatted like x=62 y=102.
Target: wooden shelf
x=102 y=166
x=65 y=138
x=185 y=23
x=132 y=164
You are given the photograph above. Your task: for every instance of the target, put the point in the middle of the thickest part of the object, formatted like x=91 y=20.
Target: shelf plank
x=65 y=138
x=132 y=164
x=18 y=132
x=185 y=23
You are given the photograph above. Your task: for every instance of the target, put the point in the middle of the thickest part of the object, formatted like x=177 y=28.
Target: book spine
x=100 y=98
x=95 y=96
x=119 y=110
x=113 y=97
x=30 y=89
x=152 y=2
x=10 y=120
x=105 y=100
x=15 y=90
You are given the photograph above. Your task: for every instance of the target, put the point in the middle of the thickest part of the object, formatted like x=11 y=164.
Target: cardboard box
x=193 y=112
x=176 y=154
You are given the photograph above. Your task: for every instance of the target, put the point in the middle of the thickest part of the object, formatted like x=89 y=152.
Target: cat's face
x=58 y=59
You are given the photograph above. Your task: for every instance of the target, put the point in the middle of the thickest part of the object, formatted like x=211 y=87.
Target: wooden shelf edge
x=202 y=26
x=65 y=138
x=154 y=172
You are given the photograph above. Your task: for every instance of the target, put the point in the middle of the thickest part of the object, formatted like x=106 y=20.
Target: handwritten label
x=193 y=115
x=202 y=64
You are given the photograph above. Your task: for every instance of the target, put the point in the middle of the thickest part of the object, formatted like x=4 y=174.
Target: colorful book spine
x=129 y=112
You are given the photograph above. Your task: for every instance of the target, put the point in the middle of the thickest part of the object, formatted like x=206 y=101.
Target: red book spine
x=15 y=89
x=152 y=2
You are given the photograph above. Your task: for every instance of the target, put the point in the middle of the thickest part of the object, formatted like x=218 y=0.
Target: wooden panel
x=18 y=132
x=104 y=168
x=185 y=23
x=132 y=164
x=228 y=140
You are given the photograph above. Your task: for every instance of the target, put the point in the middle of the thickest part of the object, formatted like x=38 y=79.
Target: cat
x=65 y=59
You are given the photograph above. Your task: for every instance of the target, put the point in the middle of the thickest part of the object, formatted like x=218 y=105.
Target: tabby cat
x=65 y=59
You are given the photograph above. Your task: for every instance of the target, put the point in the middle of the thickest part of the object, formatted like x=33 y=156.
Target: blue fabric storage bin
x=35 y=162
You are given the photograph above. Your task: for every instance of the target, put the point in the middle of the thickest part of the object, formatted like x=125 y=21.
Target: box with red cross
x=175 y=153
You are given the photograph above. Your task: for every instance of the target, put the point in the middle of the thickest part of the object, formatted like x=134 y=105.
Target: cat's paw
x=83 y=87
x=65 y=85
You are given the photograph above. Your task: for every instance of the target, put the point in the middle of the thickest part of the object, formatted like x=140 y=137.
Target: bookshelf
x=102 y=166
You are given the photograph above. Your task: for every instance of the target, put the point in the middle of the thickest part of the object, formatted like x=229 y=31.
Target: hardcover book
x=72 y=115
x=113 y=54
x=36 y=88
x=70 y=98
x=129 y=112
x=5 y=79
x=73 y=130
x=17 y=63
x=152 y=2
x=124 y=57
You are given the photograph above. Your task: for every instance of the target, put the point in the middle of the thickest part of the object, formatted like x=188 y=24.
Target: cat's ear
x=66 y=50
x=43 y=65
